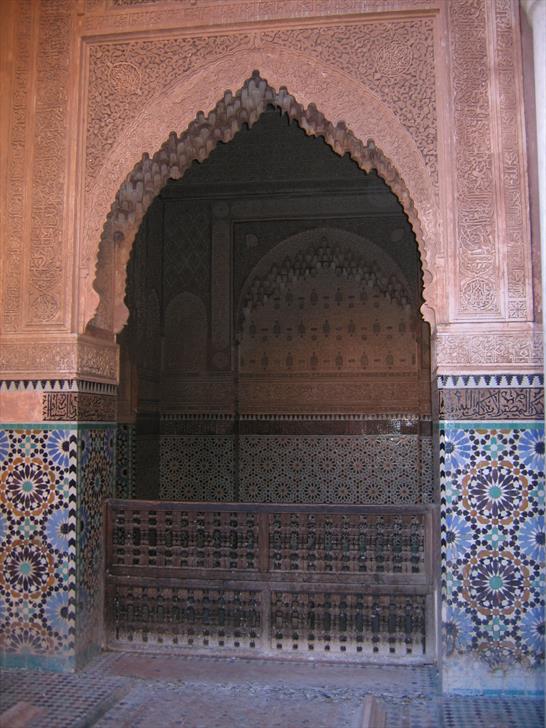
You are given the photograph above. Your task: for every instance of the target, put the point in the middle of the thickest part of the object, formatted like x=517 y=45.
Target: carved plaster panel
x=200 y=394
x=323 y=393
x=489 y=350
x=511 y=175
x=492 y=206
x=123 y=77
x=491 y=403
x=78 y=406
x=326 y=307
x=46 y=290
x=185 y=334
x=394 y=59
x=59 y=357
x=17 y=213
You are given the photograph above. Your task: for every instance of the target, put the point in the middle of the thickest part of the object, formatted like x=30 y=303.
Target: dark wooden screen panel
x=345 y=582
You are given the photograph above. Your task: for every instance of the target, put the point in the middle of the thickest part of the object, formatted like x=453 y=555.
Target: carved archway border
x=176 y=154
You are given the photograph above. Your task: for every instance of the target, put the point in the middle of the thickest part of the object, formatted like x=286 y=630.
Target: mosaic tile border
x=455 y=381
x=38 y=522
x=124 y=485
x=57 y=385
x=302 y=468
x=51 y=493
x=492 y=526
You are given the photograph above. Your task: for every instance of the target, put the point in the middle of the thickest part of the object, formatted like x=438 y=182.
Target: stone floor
x=126 y=690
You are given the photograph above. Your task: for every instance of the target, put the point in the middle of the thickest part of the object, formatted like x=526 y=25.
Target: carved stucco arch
x=356 y=112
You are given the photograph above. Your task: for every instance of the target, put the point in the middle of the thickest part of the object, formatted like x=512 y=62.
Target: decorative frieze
x=79 y=406
x=503 y=350
x=56 y=357
x=491 y=404
x=482 y=381
x=134 y=15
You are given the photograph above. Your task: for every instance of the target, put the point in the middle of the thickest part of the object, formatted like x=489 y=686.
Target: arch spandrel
x=349 y=115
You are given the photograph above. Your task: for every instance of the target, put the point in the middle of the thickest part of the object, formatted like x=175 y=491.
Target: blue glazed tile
x=492 y=522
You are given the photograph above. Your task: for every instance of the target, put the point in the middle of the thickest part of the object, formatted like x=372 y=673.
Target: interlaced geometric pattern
x=197 y=467
x=330 y=469
x=382 y=469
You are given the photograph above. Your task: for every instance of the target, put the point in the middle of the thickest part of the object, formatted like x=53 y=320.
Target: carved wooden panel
x=184 y=539
x=322 y=624
x=186 y=618
x=314 y=581
x=334 y=544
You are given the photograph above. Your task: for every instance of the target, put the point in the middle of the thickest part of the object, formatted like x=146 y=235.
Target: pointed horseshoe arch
x=178 y=152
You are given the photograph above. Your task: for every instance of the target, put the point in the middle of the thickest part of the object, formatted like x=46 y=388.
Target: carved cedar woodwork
x=270 y=579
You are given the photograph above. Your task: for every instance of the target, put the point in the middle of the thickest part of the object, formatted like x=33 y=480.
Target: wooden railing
x=314 y=581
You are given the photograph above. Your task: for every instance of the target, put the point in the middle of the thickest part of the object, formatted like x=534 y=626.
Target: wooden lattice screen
x=345 y=582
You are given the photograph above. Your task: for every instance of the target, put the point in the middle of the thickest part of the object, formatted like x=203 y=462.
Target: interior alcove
x=286 y=283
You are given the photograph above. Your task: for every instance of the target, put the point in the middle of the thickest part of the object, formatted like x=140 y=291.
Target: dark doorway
x=275 y=354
